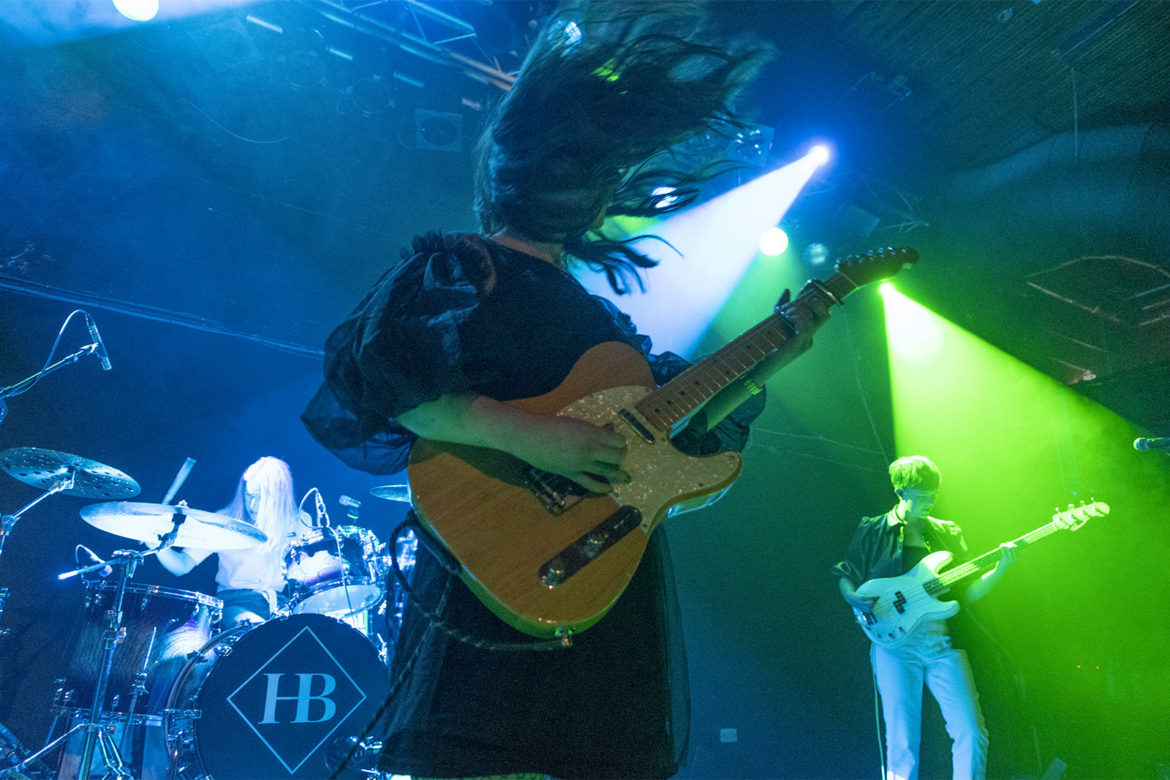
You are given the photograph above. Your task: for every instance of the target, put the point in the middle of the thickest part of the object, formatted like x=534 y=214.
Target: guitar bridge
x=555 y=493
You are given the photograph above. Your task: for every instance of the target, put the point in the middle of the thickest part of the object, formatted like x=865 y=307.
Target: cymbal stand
x=8 y=522
x=96 y=736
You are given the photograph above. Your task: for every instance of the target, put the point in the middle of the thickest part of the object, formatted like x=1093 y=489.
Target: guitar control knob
x=553 y=575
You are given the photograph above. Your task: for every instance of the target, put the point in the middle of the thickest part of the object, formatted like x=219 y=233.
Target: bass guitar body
x=545 y=556
x=904 y=602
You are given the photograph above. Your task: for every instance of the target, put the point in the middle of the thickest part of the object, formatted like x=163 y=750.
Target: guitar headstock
x=858 y=270
x=876 y=264
x=1076 y=516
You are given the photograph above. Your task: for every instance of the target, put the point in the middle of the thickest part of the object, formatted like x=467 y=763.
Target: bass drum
x=283 y=699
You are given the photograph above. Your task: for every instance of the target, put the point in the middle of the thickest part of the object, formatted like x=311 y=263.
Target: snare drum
x=277 y=700
x=161 y=625
x=335 y=571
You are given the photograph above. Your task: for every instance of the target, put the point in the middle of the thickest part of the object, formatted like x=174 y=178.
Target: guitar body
x=544 y=558
x=904 y=602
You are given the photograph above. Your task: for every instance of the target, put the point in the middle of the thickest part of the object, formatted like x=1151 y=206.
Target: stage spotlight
x=819 y=154
x=773 y=241
x=137 y=10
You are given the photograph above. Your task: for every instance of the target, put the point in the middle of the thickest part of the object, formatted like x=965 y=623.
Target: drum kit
x=151 y=690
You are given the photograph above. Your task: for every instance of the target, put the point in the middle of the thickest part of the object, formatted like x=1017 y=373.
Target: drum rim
x=320 y=588
x=149 y=589
x=336 y=530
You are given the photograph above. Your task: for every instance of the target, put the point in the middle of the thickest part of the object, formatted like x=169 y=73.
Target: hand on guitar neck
x=1008 y=555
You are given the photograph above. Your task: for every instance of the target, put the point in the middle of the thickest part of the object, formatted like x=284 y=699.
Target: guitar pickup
x=590 y=545
x=555 y=493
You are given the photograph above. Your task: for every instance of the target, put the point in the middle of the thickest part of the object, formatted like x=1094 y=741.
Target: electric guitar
x=906 y=601
x=550 y=558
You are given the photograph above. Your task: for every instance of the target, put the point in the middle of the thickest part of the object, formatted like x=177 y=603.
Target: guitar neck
x=702 y=381
x=986 y=562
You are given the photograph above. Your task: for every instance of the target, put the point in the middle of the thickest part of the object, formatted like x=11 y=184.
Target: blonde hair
x=276 y=512
x=914 y=472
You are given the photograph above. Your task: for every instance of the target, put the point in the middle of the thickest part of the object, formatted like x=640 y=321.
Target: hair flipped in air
x=606 y=90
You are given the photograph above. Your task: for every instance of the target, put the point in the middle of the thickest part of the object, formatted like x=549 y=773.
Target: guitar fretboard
x=699 y=383
x=1071 y=518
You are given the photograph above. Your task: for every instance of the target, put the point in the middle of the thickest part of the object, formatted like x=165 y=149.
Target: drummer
x=251 y=580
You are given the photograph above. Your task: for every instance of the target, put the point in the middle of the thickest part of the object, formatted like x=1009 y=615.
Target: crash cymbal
x=149 y=522
x=46 y=468
x=392 y=492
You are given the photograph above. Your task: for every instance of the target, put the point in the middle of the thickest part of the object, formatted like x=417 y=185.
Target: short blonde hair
x=914 y=472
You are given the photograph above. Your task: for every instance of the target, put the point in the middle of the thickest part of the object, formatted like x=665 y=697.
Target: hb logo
x=304 y=698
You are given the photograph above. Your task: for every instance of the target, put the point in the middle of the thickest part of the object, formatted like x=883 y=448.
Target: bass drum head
x=280 y=700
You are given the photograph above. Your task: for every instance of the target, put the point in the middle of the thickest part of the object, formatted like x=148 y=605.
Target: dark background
x=218 y=195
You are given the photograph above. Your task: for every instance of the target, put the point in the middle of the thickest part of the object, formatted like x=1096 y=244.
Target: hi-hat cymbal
x=392 y=492
x=47 y=468
x=149 y=522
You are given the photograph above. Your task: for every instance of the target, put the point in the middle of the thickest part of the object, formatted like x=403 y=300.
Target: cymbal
x=46 y=468
x=392 y=492
x=149 y=522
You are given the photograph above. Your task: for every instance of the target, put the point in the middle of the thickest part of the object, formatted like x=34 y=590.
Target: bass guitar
x=550 y=558
x=906 y=601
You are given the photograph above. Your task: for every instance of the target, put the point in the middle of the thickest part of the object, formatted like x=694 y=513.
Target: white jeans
x=928 y=658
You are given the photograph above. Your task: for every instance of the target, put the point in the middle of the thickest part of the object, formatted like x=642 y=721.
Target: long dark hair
x=606 y=91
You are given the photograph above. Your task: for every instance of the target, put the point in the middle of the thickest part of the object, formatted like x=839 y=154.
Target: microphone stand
x=25 y=384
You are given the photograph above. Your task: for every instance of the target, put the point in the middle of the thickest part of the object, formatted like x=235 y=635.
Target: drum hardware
x=97 y=732
x=12 y=752
x=144 y=522
x=335 y=571
x=58 y=472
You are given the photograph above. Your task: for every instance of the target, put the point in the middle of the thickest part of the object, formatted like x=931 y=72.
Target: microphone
x=321 y=511
x=100 y=346
x=352 y=506
x=93 y=558
x=1141 y=445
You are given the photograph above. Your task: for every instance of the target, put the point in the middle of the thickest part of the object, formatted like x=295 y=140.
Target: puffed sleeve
x=420 y=333
x=730 y=434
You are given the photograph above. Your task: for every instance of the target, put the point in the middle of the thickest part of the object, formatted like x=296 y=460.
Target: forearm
x=588 y=454
x=467 y=418
x=175 y=561
x=982 y=586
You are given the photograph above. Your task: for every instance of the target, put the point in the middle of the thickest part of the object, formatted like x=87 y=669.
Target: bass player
x=890 y=545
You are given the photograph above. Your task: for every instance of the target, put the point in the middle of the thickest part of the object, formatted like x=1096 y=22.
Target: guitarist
x=889 y=545
x=466 y=322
